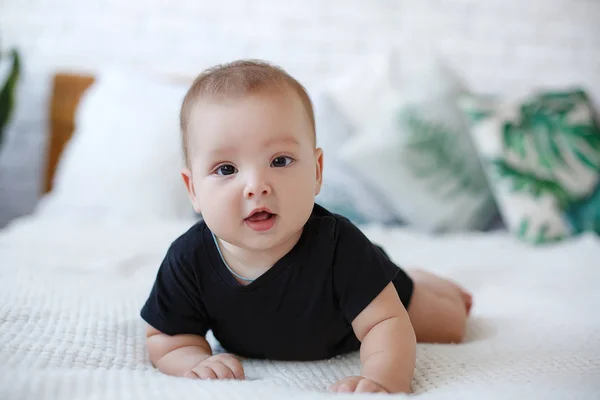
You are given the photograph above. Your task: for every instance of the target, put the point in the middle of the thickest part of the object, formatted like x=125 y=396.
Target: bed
x=74 y=274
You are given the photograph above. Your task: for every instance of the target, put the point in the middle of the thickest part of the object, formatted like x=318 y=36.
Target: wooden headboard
x=67 y=90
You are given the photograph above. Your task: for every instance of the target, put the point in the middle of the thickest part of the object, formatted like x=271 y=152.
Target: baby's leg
x=438 y=308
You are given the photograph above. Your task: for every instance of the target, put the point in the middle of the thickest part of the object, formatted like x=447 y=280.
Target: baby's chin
x=269 y=241
x=261 y=242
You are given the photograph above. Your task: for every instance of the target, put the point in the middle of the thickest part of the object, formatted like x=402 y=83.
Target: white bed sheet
x=71 y=290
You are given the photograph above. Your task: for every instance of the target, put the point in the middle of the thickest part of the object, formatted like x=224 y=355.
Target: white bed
x=74 y=275
x=70 y=294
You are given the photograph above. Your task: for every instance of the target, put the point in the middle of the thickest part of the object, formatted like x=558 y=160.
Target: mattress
x=71 y=290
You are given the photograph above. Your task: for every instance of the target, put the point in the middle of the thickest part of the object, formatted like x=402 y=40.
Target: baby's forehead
x=274 y=111
x=272 y=93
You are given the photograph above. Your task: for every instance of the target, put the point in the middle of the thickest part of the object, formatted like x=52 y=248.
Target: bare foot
x=443 y=287
x=468 y=298
x=438 y=309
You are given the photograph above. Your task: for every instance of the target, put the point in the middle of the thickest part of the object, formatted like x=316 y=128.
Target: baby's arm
x=190 y=356
x=388 y=347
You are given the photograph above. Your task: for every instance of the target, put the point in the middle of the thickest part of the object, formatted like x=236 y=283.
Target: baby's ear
x=319 y=170
x=186 y=174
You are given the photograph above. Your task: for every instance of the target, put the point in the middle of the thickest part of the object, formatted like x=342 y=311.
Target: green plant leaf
x=540 y=237
x=582 y=130
x=514 y=139
x=536 y=186
x=476 y=115
x=545 y=158
x=556 y=153
x=435 y=157
x=522 y=232
x=585 y=133
x=547 y=133
x=550 y=105
x=542 y=233
x=576 y=135
x=584 y=214
x=7 y=93
x=590 y=163
x=542 y=129
x=545 y=121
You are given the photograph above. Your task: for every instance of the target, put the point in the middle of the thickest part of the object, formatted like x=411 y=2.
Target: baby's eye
x=226 y=169
x=282 y=161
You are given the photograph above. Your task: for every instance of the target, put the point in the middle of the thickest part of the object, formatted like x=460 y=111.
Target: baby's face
x=255 y=170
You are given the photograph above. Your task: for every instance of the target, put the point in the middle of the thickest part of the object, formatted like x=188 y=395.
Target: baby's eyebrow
x=227 y=149
x=282 y=140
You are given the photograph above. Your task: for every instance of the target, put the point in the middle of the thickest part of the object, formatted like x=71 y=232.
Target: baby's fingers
x=368 y=386
x=191 y=374
x=204 y=372
x=346 y=385
x=221 y=370
x=235 y=366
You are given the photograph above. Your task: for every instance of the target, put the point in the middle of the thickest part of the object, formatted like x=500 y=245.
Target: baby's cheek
x=300 y=199
x=301 y=186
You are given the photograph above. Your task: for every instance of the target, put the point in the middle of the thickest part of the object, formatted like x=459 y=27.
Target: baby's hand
x=357 y=384
x=221 y=366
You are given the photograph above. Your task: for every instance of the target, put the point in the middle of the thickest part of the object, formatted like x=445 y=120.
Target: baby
x=271 y=273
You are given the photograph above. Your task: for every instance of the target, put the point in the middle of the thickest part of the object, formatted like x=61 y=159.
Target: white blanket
x=70 y=294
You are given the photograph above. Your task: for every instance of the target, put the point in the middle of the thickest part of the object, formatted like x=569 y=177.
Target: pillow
x=542 y=156
x=415 y=149
x=343 y=191
x=124 y=158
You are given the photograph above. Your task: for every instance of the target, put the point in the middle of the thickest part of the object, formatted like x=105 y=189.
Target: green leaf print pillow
x=541 y=155
x=417 y=152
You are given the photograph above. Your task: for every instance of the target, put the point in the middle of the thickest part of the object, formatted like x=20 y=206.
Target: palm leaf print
x=546 y=131
x=437 y=157
x=525 y=181
x=545 y=120
x=584 y=214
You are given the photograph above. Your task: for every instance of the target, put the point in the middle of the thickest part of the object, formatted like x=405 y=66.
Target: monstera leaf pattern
x=435 y=155
x=551 y=147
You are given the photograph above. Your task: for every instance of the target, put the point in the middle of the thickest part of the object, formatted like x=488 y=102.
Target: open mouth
x=260 y=216
x=261 y=220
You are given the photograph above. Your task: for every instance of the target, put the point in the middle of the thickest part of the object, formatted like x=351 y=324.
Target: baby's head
x=249 y=142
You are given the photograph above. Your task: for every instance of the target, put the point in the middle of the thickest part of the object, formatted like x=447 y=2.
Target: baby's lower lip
x=261 y=226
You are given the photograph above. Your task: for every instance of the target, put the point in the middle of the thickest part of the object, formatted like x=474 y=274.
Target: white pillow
x=415 y=148
x=344 y=191
x=125 y=156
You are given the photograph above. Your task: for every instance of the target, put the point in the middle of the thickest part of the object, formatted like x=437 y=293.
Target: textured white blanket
x=70 y=294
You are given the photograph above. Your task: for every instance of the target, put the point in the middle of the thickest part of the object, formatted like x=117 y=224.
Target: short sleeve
x=174 y=305
x=361 y=270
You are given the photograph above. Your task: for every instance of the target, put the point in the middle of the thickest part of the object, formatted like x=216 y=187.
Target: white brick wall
x=505 y=46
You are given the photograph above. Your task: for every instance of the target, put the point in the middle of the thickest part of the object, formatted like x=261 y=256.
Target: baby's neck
x=251 y=264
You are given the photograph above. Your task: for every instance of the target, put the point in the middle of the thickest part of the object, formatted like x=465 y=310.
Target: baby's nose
x=257 y=187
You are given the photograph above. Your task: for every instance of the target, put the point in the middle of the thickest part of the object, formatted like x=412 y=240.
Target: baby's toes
x=467 y=299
